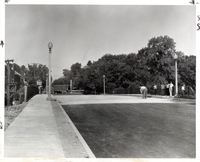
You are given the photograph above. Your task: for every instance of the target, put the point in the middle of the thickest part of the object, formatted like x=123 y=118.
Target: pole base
x=49 y=98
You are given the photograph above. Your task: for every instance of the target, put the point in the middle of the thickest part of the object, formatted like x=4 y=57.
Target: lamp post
x=104 y=85
x=176 y=74
x=50 y=46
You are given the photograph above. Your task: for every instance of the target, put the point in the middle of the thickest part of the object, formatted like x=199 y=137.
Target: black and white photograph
x=99 y=81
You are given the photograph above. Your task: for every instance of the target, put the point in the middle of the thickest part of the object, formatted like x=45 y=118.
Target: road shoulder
x=73 y=144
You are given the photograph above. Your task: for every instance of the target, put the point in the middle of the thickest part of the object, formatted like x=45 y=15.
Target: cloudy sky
x=80 y=33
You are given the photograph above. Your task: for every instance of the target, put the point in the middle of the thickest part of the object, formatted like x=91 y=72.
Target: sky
x=80 y=33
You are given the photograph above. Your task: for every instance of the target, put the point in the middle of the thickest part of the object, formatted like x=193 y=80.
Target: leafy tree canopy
x=152 y=64
x=35 y=72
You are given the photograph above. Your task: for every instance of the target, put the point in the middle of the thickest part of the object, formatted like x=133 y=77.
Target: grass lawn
x=136 y=130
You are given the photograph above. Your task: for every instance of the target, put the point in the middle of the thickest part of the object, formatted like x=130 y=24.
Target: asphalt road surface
x=131 y=127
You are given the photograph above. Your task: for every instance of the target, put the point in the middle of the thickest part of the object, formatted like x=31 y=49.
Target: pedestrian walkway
x=43 y=130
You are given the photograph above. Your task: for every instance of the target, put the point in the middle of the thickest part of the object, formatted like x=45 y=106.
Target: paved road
x=142 y=128
x=38 y=130
x=95 y=99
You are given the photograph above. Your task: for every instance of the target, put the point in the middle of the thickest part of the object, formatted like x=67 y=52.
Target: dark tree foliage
x=35 y=72
x=75 y=69
x=153 y=64
x=187 y=70
x=89 y=63
x=60 y=81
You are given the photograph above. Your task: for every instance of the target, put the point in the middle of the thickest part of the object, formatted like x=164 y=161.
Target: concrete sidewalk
x=43 y=130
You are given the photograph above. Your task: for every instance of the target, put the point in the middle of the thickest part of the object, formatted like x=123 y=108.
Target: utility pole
x=8 y=81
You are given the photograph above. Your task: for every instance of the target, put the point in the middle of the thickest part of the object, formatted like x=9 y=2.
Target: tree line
x=153 y=64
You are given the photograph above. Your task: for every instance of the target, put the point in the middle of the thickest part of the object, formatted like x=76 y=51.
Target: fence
x=136 y=90
x=19 y=96
x=188 y=91
x=31 y=91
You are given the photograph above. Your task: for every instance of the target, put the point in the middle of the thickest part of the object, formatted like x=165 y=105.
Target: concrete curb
x=85 y=145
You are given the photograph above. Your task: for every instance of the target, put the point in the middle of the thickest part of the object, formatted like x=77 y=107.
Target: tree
x=158 y=57
x=89 y=63
x=152 y=64
x=75 y=69
x=67 y=75
x=187 y=70
x=61 y=81
x=75 y=72
x=36 y=72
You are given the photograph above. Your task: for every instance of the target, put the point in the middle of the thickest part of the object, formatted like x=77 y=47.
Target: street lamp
x=50 y=46
x=104 y=85
x=176 y=75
